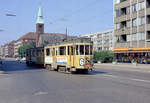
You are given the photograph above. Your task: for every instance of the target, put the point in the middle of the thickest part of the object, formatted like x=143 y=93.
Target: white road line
x=133 y=79
x=41 y=93
x=141 y=80
x=113 y=76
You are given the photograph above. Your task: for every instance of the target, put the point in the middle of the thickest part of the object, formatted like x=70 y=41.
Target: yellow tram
x=67 y=56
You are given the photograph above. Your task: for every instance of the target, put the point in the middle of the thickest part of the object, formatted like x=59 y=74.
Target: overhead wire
x=76 y=11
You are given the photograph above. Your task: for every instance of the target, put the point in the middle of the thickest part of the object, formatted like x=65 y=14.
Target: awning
x=125 y=50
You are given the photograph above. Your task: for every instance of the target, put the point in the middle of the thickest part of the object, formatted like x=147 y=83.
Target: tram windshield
x=84 y=50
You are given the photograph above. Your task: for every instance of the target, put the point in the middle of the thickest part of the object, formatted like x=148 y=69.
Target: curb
x=132 y=68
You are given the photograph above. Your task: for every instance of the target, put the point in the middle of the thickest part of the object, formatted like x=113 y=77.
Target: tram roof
x=73 y=40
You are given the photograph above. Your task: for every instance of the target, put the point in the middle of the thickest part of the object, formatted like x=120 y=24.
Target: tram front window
x=91 y=49
x=87 y=50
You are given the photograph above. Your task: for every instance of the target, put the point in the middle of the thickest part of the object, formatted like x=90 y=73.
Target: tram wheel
x=48 y=67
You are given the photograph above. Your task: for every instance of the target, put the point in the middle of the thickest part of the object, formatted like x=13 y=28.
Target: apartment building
x=102 y=40
x=132 y=30
x=24 y=40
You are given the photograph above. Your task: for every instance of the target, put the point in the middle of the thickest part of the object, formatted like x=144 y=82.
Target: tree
x=22 y=49
x=103 y=56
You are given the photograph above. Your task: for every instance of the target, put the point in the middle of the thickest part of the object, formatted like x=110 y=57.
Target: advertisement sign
x=62 y=60
x=49 y=60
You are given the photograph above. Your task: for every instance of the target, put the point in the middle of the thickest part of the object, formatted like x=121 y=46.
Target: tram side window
x=77 y=50
x=42 y=52
x=87 y=50
x=56 y=51
x=47 y=52
x=33 y=53
x=62 y=50
x=27 y=53
x=38 y=53
x=70 y=50
x=81 y=49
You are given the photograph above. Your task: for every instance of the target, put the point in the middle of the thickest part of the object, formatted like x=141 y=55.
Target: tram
x=35 y=56
x=69 y=56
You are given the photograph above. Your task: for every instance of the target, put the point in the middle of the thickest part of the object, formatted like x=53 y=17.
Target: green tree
x=103 y=56
x=22 y=49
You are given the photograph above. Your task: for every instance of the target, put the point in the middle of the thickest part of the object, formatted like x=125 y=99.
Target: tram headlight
x=81 y=62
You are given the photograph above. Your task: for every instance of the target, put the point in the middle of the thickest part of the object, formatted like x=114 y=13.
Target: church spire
x=40 y=19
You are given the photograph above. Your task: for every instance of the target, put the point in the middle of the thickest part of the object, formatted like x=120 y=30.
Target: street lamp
x=1 y=30
x=10 y=15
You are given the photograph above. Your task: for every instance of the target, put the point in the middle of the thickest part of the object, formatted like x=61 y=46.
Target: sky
x=80 y=17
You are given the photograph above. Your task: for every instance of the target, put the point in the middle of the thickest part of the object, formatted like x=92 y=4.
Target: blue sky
x=79 y=16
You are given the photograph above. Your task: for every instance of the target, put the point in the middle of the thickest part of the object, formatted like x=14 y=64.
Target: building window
x=134 y=37
x=134 y=22
x=123 y=24
x=141 y=36
x=148 y=3
x=117 y=26
x=117 y=1
x=117 y=13
x=128 y=10
x=135 y=8
x=123 y=11
x=148 y=35
x=141 y=20
x=99 y=48
x=148 y=19
x=141 y=5
x=123 y=38
x=128 y=38
x=128 y=23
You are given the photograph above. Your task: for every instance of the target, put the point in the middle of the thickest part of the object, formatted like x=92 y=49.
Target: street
x=22 y=84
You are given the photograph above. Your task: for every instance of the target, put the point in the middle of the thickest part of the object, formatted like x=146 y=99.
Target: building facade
x=132 y=30
x=102 y=40
x=22 y=42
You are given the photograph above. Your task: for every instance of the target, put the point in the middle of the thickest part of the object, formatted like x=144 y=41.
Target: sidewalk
x=124 y=66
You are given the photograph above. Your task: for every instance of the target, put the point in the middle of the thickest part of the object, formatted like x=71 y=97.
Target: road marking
x=41 y=93
x=133 y=79
x=113 y=76
x=141 y=80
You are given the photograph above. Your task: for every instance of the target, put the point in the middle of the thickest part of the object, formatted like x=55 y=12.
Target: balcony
x=123 y=3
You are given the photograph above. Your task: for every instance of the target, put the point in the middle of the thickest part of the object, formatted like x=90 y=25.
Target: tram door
x=71 y=53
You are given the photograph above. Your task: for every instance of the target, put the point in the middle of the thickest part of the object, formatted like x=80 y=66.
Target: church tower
x=39 y=26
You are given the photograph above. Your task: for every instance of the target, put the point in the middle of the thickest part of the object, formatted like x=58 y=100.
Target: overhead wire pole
x=66 y=33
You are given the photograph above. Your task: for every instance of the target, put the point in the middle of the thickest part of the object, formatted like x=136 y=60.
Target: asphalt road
x=21 y=84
